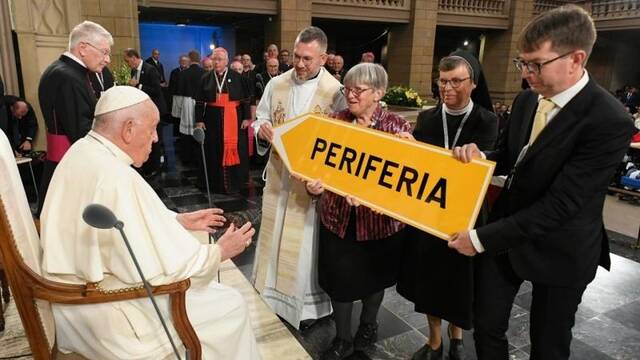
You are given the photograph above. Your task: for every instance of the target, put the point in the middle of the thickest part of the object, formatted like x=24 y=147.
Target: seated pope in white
x=97 y=169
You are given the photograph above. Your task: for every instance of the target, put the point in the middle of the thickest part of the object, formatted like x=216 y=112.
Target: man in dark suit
x=154 y=60
x=146 y=78
x=188 y=84
x=22 y=124
x=565 y=138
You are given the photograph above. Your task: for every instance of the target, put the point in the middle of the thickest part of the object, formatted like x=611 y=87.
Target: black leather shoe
x=366 y=335
x=340 y=349
x=456 y=349
x=427 y=353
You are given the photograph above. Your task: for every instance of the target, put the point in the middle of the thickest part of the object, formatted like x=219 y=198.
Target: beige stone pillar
x=293 y=16
x=7 y=55
x=410 y=49
x=500 y=48
x=43 y=28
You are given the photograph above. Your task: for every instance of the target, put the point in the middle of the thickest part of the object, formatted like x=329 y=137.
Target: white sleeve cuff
x=475 y=241
x=484 y=157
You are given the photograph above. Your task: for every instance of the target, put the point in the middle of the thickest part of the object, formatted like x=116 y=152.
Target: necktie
x=540 y=120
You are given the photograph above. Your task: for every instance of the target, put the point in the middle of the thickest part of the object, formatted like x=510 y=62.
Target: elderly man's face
x=338 y=63
x=272 y=67
x=95 y=55
x=220 y=61
x=284 y=57
x=155 y=54
x=184 y=62
x=19 y=109
x=307 y=59
x=207 y=64
x=236 y=66
x=142 y=133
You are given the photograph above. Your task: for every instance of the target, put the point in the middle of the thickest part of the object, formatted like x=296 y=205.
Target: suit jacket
x=189 y=80
x=549 y=221
x=150 y=81
x=174 y=80
x=158 y=67
x=19 y=130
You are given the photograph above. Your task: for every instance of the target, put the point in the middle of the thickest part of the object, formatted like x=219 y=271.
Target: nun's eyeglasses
x=536 y=67
x=455 y=83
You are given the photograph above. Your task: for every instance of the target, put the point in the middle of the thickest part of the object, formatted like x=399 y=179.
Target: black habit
x=226 y=179
x=102 y=82
x=438 y=280
x=67 y=103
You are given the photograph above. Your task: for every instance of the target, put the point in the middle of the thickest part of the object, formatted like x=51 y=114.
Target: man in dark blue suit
x=565 y=138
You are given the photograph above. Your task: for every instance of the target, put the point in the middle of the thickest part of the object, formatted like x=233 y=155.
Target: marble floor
x=607 y=323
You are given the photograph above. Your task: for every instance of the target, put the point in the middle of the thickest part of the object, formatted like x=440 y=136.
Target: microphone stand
x=206 y=180
x=120 y=226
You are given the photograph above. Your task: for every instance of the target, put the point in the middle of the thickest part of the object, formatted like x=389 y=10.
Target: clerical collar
x=111 y=147
x=74 y=58
x=454 y=112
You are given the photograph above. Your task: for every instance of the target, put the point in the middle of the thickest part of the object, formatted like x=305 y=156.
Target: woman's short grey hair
x=369 y=74
x=89 y=32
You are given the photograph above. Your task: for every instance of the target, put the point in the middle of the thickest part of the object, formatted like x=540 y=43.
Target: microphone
x=99 y=216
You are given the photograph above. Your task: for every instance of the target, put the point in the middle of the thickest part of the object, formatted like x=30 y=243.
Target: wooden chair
x=33 y=294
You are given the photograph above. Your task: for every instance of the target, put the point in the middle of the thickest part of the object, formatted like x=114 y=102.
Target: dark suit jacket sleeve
x=246 y=98
x=587 y=171
x=201 y=99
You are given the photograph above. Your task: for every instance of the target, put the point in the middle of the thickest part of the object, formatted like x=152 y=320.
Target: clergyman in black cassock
x=224 y=179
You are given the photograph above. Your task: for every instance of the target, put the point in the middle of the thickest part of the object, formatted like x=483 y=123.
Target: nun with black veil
x=438 y=280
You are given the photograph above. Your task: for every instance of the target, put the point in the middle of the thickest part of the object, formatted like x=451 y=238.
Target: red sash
x=57 y=146
x=230 y=154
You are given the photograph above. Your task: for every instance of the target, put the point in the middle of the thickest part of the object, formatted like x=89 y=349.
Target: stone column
x=503 y=79
x=293 y=16
x=411 y=46
x=7 y=55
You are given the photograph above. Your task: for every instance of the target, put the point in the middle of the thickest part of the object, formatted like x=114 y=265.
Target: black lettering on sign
x=408 y=176
x=360 y=161
x=348 y=156
x=331 y=153
x=320 y=145
x=439 y=193
x=370 y=165
x=385 y=173
x=423 y=185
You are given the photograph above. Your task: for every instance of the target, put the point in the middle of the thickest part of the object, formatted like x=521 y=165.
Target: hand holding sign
x=416 y=183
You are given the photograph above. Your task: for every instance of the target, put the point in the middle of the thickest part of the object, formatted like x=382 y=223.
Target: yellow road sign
x=418 y=184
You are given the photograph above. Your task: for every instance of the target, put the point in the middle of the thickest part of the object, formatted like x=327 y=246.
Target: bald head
x=19 y=109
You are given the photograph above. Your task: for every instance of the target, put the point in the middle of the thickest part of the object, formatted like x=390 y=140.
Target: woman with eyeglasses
x=438 y=280
x=359 y=250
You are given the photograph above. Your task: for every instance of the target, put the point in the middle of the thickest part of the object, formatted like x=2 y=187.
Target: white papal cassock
x=95 y=170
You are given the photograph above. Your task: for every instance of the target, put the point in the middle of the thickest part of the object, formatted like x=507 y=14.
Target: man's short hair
x=221 y=50
x=568 y=27
x=132 y=53
x=449 y=63
x=194 y=56
x=89 y=32
x=284 y=51
x=369 y=74
x=312 y=33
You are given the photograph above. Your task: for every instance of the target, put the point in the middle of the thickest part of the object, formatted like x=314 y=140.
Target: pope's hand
x=266 y=131
x=202 y=220
x=201 y=125
x=461 y=242
x=467 y=152
x=234 y=241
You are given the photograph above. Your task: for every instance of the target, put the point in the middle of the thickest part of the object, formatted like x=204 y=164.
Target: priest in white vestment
x=97 y=169
x=285 y=271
